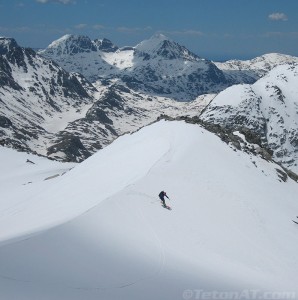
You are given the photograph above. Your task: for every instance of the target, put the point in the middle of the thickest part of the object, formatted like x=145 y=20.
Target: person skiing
x=162 y=196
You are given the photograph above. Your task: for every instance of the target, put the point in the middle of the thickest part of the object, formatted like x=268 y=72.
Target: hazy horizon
x=213 y=29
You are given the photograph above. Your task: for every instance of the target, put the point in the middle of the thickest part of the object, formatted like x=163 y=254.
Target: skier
x=162 y=196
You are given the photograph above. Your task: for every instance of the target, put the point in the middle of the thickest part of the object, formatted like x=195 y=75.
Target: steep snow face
x=158 y=66
x=269 y=108
x=230 y=227
x=122 y=59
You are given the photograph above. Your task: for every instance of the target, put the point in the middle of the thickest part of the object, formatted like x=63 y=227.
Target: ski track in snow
x=219 y=196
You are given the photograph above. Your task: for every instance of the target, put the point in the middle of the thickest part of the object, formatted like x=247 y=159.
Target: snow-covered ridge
x=269 y=108
x=229 y=229
x=265 y=62
x=75 y=44
x=257 y=67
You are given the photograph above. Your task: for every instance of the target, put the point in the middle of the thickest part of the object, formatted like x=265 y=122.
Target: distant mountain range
x=157 y=66
x=47 y=110
x=77 y=95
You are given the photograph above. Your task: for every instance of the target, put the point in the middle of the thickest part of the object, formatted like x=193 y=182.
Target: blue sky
x=214 y=29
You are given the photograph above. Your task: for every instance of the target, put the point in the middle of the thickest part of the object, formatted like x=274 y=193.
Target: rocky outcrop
x=71 y=146
x=268 y=109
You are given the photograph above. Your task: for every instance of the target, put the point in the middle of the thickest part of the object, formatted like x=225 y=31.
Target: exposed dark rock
x=79 y=44
x=30 y=162
x=291 y=174
x=112 y=100
x=250 y=135
x=71 y=146
x=72 y=87
x=6 y=77
x=105 y=45
x=5 y=122
x=95 y=113
x=7 y=45
x=282 y=175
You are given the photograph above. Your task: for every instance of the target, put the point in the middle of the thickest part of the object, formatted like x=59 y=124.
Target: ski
x=169 y=208
x=295 y=222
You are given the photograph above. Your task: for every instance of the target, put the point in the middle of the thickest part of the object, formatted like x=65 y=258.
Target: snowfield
x=99 y=231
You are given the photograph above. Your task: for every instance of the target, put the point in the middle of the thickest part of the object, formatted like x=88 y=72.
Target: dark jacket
x=162 y=195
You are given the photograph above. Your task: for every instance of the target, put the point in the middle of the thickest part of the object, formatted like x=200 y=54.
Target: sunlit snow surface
x=269 y=107
x=99 y=231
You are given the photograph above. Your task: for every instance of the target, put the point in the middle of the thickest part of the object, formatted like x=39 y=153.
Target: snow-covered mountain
x=158 y=66
x=255 y=68
x=117 y=110
x=99 y=232
x=268 y=108
x=81 y=54
x=35 y=91
x=46 y=110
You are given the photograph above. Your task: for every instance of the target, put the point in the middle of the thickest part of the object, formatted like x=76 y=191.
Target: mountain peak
x=7 y=44
x=160 y=45
x=105 y=45
x=152 y=43
x=72 y=44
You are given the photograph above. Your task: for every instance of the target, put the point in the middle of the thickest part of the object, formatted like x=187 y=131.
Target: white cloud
x=278 y=16
x=187 y=32
x=57 y=1
x=278 y=34
x=133 y=29
x=98 y=27
x=20 y=4
x=22 y=29
x=80 y=26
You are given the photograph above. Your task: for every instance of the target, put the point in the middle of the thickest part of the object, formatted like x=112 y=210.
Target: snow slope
x=22 y=176
x=269 y=108
x=99 y=232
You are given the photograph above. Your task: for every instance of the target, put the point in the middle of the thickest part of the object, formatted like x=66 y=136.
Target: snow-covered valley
x=99 y=231
x=46 y=110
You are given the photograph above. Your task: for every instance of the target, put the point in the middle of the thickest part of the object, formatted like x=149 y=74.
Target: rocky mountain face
x=33 y=92
x=158 y=66
x=267 y=109
x=61 y=114
x=48 y=111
